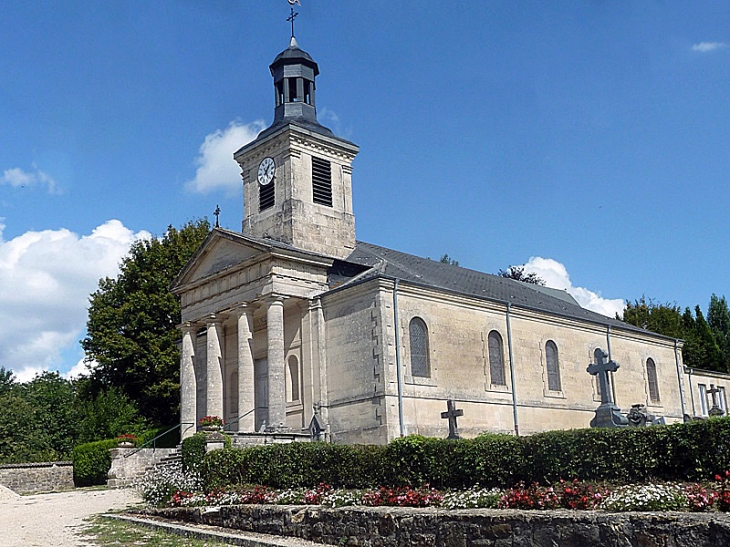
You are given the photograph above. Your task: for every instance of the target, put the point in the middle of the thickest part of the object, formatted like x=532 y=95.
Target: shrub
x=161 y=483
x=193 y=452
x=92 y=462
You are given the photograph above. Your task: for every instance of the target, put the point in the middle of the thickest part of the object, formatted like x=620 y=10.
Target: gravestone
x=639 y=416
x=607 y=414
x=451 y=414
x=715 y=411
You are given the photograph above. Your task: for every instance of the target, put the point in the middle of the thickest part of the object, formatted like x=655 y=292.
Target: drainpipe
x=692 y=393
x=608 y=346
x=512 y=370
x=397 y=359
x=679 y=377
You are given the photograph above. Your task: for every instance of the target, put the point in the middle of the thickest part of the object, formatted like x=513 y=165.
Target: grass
x=106 y=532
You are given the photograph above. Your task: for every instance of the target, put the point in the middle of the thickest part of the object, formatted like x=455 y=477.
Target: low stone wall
x=31 y=478
x=391 y=527
x=128 y=465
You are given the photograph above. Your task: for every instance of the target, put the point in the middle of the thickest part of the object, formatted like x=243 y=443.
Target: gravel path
x=44 y=520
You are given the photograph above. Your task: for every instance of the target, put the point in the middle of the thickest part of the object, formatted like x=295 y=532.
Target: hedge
x=691 y=451
x=92 y=462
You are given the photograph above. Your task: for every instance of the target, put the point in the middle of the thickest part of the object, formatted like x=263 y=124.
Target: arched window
x=652 y=379
x=293 y=365
x=496 y=360
x=553 y=367
x=418 y=335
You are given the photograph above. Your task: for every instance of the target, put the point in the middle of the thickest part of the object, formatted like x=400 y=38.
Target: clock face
x=267 y=168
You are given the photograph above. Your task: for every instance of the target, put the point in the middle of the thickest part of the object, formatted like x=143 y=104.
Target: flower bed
x=174 y=487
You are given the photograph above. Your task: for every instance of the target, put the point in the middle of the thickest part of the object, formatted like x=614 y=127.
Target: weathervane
x=293 y=14
x=217 y=213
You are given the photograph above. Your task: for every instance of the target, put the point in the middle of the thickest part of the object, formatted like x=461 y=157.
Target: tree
x=7 y=381
x=663 y=319
x=108 y=414
x=132 y=323
x=446 y=259
x=718 y=318
x=700 y=348
x=518 y=273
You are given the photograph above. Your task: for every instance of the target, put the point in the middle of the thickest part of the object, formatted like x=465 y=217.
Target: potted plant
x=126 y=440
x=211 y=423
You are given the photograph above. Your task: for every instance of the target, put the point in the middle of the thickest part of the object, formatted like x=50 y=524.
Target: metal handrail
x=154 y=445
x=237 y=419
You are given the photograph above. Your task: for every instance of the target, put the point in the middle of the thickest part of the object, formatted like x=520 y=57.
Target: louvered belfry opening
x=266 y=196
x=321 y=182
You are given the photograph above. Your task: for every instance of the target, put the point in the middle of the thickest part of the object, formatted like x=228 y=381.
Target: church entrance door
x=261 y=394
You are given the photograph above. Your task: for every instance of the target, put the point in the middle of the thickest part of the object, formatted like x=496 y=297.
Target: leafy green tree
x=518 y=273
x=700 y=348
x=56 y=414
x=132 y=322
x=108 y=414
x=663 y=319
x=718 y=318
x=7 y=381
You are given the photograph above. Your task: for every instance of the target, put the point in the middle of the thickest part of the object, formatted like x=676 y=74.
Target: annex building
x=293 y=322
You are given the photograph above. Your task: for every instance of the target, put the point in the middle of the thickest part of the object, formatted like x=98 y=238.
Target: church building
x=292 y=324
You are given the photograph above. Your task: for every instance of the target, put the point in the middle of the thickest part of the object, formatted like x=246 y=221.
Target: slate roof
x=384 y=262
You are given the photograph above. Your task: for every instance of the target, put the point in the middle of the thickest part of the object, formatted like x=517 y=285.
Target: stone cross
x=451 y=414
x=601 y=368
x=715 y=410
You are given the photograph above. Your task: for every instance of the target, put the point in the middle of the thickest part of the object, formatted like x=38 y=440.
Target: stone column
x=214 y=367
x=246 y=379
x=188 y=382
x=275 y=354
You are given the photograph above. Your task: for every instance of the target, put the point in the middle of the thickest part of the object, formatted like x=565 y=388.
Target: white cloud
x=556 y=276
x=705 y=47
x=46 y=278
x=17 y=178
x=79 y=369
x=216 y=168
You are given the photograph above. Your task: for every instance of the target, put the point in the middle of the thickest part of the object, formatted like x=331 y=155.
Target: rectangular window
x=703 y=399
x=721 y=401
x=321 y=182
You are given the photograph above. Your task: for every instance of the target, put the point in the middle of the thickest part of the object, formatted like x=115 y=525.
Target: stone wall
x=391 y=527
x=124 y=470
x=31 y=478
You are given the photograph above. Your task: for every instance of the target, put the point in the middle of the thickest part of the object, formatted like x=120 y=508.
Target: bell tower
x=297 y=175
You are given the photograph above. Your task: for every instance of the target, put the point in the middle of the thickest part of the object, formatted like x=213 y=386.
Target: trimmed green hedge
x=92 y=462
x=691 y=451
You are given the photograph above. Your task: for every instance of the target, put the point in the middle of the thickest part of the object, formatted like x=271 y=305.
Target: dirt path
x=44 y=520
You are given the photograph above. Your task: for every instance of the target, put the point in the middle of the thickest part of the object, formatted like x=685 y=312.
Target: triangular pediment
x=221 y=251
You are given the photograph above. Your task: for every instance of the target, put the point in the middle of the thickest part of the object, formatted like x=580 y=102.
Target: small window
x=496 y=360
x=721 y=401
x=553 y=369
x=418 y=335
x=321 y=182
x=652 y=379
x=293 y=365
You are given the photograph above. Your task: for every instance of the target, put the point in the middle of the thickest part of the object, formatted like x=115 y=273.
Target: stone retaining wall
x=31 y=478
x=128 y=464
x=391 y=527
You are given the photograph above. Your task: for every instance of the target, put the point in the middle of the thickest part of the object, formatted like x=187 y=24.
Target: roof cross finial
x=293 y=14
x=217 y=213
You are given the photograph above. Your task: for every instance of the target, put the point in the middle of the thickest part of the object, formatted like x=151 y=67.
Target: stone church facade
x=293 y=322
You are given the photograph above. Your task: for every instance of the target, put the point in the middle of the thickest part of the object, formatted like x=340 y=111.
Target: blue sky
x=589 y=140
